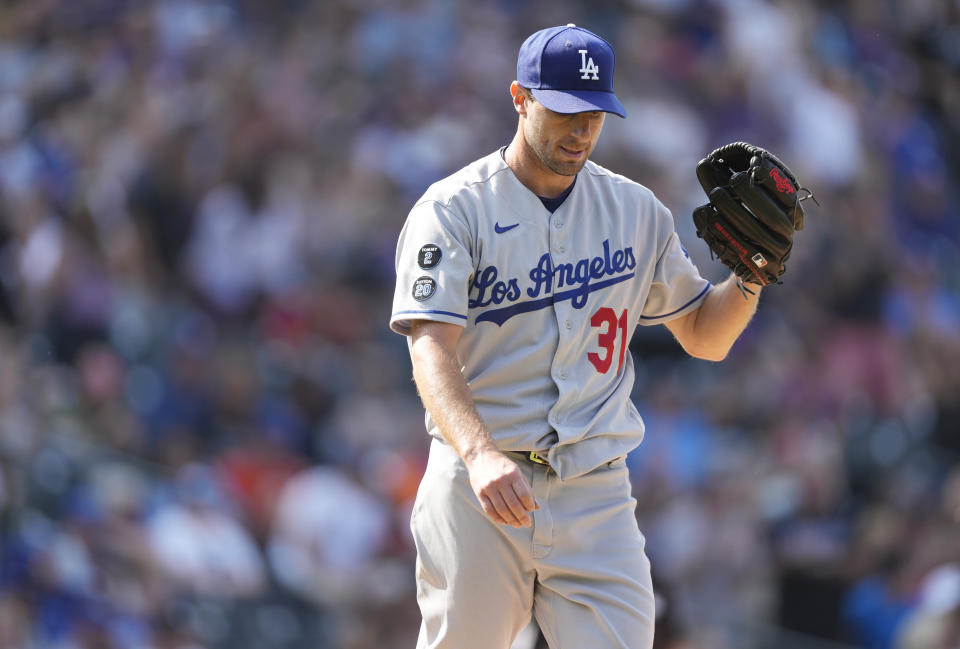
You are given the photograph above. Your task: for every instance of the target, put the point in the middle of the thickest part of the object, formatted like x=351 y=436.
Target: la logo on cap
x=587 y=67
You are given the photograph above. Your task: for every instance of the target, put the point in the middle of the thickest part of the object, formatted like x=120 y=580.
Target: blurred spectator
x=199 y=546
x=327 y=533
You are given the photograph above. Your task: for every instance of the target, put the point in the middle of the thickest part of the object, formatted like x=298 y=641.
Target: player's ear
x=520 y=98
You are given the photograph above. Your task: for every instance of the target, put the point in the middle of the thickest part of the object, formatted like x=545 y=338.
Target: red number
x=607 y=338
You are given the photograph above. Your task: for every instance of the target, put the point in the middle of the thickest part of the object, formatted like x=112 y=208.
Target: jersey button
x=563 y=374
x=561 y=248
x=558 y=224
x=567 y=324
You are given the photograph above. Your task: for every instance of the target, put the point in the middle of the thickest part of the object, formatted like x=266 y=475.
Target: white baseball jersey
x=548 y=302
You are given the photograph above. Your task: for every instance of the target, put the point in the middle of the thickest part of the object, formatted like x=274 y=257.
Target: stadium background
x=209 y=437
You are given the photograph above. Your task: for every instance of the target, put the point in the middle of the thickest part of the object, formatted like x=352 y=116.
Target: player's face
x=562 y=142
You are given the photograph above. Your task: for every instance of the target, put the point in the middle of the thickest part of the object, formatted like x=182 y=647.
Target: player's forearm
x=721 y=319
x=447 y=397
x=501 y=489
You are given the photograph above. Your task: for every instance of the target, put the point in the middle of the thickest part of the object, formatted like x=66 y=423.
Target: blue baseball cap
x=569 y=70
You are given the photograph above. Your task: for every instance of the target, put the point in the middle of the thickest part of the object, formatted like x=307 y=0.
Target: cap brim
x=579 y=101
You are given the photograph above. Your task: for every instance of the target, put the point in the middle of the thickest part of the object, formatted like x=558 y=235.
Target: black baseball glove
x=754 y=210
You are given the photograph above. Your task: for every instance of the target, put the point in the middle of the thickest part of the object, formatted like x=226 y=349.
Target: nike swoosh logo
x=500 y=230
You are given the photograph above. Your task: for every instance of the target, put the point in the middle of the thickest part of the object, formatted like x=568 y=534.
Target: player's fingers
x=525 y=494
x=503 y=509
x=490 y=510
x=516 y=507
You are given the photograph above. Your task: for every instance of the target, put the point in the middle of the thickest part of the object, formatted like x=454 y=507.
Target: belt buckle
x=536 y=458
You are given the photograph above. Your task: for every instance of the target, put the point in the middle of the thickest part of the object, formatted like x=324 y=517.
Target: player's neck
x=532 y=173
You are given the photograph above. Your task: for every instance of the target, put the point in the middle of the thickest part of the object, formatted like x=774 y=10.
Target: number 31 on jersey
x=610 y=325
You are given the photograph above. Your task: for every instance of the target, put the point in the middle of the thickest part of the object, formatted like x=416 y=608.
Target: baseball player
x=520 y=280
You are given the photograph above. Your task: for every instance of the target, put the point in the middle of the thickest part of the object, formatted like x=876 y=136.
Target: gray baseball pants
x=580 y=568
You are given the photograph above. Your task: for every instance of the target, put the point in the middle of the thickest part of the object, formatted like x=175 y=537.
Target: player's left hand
x=501 y=488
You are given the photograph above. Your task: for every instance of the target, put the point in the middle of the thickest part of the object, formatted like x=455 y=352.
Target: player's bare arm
x=710 y=331
x=501 y=488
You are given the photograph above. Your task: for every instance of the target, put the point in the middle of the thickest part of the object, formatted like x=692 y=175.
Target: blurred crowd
x=209 y=437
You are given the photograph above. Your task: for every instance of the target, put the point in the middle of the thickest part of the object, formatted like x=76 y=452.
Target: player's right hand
x=502 y=489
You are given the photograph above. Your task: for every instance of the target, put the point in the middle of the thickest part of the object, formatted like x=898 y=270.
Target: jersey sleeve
x=677 y=286
x=434 y=268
